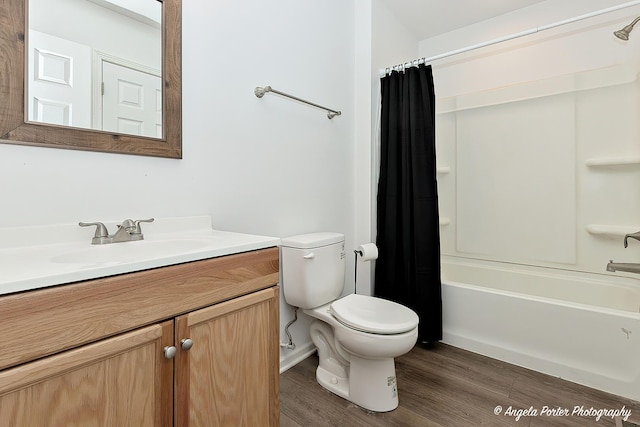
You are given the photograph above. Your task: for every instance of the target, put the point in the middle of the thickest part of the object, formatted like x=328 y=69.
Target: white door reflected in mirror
x=131 y=101
x=59 y=81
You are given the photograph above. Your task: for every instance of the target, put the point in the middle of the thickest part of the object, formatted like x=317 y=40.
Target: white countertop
x=42 y=256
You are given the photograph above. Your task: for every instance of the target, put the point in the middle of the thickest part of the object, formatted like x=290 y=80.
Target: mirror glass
x=96 y=64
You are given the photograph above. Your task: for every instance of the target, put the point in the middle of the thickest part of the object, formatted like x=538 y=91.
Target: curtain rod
x=534 y=30
x=260 y=91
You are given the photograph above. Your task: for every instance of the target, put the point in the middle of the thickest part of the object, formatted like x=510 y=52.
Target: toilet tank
x=312 y=267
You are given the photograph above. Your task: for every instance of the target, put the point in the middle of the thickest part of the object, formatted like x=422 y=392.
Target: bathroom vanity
x=189 y=344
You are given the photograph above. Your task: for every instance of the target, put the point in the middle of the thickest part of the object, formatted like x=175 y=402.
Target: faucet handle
x=137 y=222
x=101 y=230
x=635 y=235
x=100 y=234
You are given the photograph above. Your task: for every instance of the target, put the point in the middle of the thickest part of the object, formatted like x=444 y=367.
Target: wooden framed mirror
x=16 y=129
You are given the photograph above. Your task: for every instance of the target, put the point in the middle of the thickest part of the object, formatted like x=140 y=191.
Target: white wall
x=391 y=44
x=272 y=166
x=363 y=200
x=266 y=166
x=379 y=40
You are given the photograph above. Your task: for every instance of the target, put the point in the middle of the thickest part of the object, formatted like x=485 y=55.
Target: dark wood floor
x=448 y=387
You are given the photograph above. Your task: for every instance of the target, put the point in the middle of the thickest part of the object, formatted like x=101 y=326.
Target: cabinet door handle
x=170 y=352
x=187 y=343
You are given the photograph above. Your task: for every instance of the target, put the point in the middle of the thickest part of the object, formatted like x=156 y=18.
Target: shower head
x=623 y=34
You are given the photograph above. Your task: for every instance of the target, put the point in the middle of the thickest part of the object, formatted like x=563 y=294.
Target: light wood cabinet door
x=229 y=377
x=119 y=381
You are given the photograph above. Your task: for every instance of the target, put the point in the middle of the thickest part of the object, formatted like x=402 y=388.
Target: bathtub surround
x=537 y=170
x=408 y=269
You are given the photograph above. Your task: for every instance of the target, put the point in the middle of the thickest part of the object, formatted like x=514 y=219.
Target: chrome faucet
x=625 y=266
x=128 y=231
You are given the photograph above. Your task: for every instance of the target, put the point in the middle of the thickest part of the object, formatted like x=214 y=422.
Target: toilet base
x=336 y=385
x=371 y=384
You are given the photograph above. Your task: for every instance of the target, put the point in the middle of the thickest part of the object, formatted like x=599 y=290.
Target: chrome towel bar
x=260 y=91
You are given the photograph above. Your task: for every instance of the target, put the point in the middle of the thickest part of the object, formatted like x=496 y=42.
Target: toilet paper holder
x=367 y=252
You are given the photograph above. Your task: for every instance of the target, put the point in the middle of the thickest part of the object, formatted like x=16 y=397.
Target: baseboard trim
x=296 y=356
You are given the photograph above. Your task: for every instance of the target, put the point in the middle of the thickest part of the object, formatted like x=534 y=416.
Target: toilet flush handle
x=309 y=256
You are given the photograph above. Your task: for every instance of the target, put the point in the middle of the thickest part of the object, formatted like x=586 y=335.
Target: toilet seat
x=373 y=315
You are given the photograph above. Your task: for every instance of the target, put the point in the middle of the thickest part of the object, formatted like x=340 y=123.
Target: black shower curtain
x=408 y=267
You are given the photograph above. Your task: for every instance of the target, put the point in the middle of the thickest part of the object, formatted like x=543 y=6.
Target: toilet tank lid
x=312 y=240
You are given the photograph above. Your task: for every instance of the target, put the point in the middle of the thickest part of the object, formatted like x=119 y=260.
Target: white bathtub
x=581 y=327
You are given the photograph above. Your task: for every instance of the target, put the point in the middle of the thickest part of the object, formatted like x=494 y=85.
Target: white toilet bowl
x=359 y=365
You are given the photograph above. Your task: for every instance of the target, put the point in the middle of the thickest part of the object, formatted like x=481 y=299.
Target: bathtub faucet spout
x=623 y=266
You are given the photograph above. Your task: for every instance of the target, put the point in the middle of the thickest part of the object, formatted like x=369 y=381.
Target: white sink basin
x=41 y=256
x=129 y=251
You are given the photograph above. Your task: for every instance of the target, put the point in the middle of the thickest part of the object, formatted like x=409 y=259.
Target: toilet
x=357 y=336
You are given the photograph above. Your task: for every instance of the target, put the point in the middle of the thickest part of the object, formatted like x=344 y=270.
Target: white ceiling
x=428 y=18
